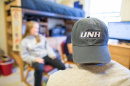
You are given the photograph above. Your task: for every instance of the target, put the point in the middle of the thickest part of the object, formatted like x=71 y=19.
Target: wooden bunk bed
x=14 y=15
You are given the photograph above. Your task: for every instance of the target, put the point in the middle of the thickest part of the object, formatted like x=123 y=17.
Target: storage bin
x=6 y=67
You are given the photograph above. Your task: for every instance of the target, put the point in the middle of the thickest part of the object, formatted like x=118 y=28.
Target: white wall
x=86 y=7
x=2 y=27
x=125 y=10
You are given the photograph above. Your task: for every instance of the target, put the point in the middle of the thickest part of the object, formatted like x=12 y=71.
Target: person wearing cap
x=90 y=50
x=68 y=47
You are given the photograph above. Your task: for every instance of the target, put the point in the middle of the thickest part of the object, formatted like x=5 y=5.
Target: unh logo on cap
x=91 y=34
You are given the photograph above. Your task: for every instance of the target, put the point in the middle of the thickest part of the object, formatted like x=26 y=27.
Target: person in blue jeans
x=35 y=50
x=68 y=47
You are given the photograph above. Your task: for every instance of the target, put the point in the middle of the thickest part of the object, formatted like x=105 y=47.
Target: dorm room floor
x=14 y=79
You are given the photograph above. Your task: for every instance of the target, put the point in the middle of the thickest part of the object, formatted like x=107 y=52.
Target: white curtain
x=125 y=10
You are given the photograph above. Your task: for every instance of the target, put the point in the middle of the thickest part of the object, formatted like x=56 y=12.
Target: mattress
x=51 y=7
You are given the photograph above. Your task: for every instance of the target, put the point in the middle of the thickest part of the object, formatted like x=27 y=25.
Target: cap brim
x=91 y=54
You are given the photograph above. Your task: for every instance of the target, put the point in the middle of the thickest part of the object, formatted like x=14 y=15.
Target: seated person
x=35 y=50
x=90 y=51
x=68 y=47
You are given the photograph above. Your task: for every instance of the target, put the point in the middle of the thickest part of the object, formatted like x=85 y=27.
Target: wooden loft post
x=9 y=22
x=16 y=18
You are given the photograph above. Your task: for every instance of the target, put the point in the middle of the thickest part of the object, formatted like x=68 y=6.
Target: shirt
x=110 y=74
x=30 y=49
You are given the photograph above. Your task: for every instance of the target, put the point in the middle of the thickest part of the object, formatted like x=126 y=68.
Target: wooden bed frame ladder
x=9 y=35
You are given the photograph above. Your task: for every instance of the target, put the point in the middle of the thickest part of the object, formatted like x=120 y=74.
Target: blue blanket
x=52 y=7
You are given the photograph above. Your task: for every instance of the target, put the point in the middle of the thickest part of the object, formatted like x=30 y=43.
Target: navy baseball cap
x=89 y=38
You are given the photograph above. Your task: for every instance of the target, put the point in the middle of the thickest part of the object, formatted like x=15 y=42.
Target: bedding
x=52 y=7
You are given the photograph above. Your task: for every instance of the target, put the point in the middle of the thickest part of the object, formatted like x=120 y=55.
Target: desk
x=120 y=53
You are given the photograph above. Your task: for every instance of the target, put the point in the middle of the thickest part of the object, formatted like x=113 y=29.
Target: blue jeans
x=56 y=63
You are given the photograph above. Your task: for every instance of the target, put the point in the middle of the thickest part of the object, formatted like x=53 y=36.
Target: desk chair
x=19 y=61
x=47 y=69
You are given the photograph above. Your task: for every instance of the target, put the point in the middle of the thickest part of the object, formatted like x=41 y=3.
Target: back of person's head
x=89 y=38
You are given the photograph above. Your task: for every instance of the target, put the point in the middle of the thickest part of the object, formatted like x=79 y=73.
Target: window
x=106 y=10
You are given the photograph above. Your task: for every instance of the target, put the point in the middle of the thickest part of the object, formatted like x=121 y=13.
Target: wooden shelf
x=40 y=23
